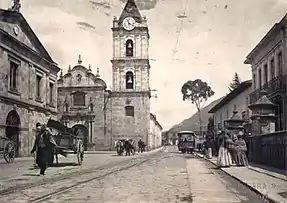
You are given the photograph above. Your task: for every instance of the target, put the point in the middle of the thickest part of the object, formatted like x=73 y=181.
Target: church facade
x=103 y=116
x=82 y=101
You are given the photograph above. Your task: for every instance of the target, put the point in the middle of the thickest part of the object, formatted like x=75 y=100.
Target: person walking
x=42 y=148
x=38 y=129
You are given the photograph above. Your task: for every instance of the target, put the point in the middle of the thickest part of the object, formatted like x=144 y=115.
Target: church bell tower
x=130 y=64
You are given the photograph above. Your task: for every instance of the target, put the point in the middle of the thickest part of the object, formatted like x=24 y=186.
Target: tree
x=197 y=92
x=235 y=82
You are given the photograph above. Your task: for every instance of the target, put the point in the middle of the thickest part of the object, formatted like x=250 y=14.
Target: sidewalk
x=271 y=185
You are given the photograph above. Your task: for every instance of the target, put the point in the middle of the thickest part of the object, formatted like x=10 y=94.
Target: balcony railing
x=269 y=150
x=276 y=84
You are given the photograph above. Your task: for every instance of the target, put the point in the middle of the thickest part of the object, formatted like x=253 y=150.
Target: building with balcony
x=268 y=65
x=237 y=100
x=28 y=81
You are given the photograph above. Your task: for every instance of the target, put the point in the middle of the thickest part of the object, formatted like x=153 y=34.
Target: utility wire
x=179 y=32
x=178 y=36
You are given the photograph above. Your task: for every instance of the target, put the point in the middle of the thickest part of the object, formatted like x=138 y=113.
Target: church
x=102 y=116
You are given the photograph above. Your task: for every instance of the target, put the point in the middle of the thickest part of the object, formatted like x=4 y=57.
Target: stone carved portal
x=13 y=128
x=82 y=132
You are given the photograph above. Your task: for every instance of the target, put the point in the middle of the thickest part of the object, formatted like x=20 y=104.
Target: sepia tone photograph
x=143 y=101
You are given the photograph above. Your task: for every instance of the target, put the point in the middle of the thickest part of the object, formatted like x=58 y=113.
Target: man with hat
x=41 y=146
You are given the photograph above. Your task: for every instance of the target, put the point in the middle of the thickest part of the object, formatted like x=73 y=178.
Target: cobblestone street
x=162 y=176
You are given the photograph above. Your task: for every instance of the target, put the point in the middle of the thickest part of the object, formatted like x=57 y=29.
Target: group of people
x=232 y=149
x=128 y=146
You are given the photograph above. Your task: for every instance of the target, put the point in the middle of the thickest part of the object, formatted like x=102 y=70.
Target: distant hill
x=192 y=123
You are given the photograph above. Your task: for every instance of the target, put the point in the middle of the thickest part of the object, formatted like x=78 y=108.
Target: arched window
x=129 y=80
x=130 y=111
x=79 y=99
x=129 y=48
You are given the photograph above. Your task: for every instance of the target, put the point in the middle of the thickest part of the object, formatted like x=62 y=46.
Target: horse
x=120 y=147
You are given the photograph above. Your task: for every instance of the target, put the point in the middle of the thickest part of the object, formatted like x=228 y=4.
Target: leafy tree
x=235 y=82
x=197 y=92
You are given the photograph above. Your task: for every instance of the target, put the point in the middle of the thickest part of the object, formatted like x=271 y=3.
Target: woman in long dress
x=241 y=148
x=224 y=157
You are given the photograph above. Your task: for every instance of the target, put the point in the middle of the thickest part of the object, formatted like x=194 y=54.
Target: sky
x=211 y=43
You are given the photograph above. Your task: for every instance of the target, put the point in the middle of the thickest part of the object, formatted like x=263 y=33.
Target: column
x=121 y=78
x=30 y=81
x=33 y=81
x=122 y=46
x=91 y=131
x=47 y=88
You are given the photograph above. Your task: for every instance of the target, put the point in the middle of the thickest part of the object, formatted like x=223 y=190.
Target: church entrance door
x=82 y=132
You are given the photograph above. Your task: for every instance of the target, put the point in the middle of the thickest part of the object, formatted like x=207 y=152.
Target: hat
x=38 y=125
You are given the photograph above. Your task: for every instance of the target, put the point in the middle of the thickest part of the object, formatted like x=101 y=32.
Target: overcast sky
x=214 y=40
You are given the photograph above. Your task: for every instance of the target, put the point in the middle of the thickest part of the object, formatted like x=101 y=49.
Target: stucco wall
x=240 y=103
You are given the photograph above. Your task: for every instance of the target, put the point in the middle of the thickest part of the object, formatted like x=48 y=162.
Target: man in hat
x=42 y=147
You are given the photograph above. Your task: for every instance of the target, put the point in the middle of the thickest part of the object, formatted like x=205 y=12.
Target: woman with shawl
x=241 y=148
x=224 y=156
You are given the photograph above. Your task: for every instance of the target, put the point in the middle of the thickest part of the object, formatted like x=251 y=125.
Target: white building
x=237 y=100
x=155 y=133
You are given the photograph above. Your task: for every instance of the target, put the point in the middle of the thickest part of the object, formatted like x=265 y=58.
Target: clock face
x=16 y=30
x=129 y=23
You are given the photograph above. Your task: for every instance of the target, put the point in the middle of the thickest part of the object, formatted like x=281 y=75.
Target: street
x=160 y=176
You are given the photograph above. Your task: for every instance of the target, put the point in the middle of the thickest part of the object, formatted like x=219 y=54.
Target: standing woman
x=241 y=151
x=224 y=157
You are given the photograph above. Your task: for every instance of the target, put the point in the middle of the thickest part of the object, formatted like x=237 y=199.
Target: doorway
x=82 y=132
x=13 y=129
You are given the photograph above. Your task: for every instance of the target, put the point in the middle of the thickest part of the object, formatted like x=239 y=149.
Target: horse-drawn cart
x=7 y=149
x=66 y=141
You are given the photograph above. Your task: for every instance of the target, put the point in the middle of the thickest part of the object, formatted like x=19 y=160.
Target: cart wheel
x=80 y=152
x=9 y=151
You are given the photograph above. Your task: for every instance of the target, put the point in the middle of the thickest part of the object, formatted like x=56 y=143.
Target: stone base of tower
x=129 y=116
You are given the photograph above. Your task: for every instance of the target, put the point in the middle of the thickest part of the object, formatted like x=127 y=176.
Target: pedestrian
x=208 y=147
x=127 y=147
x=224 y=157
x=233 y=149
x=42 y=147
x=241 y=158
x=140 y=146
x=38 y=129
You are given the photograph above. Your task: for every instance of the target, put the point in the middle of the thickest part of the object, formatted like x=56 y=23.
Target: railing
x=277 y=83
x=269 y=149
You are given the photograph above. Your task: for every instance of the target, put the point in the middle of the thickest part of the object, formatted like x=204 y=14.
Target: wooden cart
x=7 y=149
x=66 y=142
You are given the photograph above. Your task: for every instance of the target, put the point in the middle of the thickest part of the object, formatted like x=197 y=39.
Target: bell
x=130 y=80
x=130 y=45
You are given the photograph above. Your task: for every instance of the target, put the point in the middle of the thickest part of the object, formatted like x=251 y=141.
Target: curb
x=100 y=152
x=270 y=199
x=262 y=172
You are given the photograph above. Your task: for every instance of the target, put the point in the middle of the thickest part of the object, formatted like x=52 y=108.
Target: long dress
x=224 y=157
x=241 y=158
